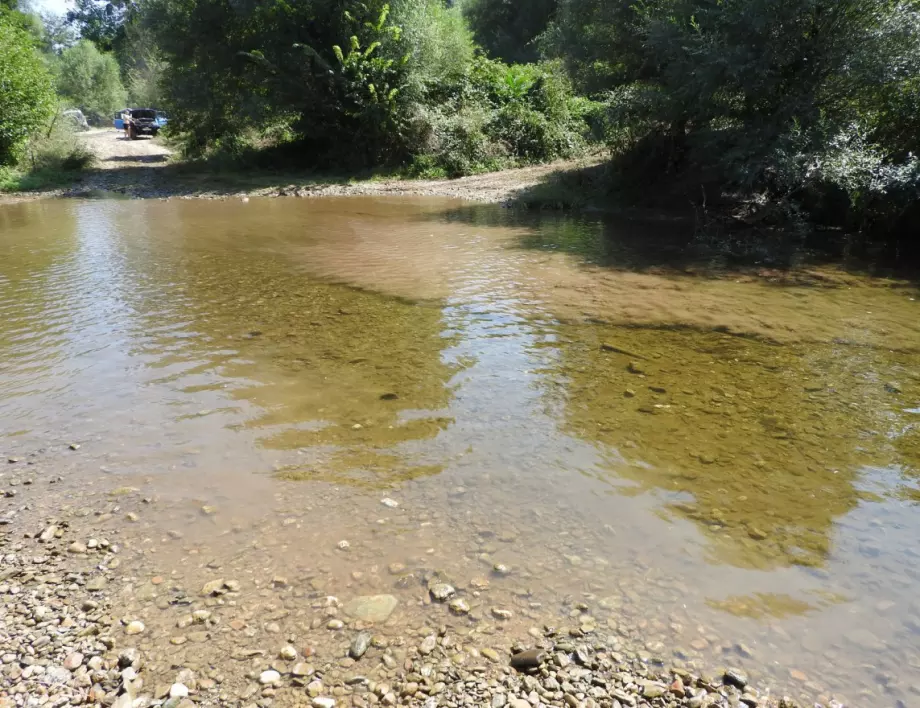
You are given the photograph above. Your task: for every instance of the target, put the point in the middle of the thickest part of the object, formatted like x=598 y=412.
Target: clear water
x=722 y=464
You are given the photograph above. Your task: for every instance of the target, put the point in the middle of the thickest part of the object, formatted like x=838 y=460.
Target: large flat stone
x=371 y=608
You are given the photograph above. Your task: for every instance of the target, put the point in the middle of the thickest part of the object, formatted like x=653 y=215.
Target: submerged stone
x=371 y=608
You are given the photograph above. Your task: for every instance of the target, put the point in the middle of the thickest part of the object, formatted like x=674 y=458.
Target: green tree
x=770 y=102
x=57 y=34
x=509 y=29
x=273 y=63
x=26 y=90
x=100 y=21
x=91 y=80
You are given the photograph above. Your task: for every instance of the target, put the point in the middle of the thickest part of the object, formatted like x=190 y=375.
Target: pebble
x=442 y=591
x=459 y=606
x=301 y=670
x=135 y=627
x=178 y=690
x=359 y=645
x=735 y=677
x=390 y=503
x=269 y=677
x=288 y=653
x=428 y=644
x=529 y=659
x=73 y=661
x=321 y=702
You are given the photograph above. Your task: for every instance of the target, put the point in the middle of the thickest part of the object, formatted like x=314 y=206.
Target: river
x=716 y=464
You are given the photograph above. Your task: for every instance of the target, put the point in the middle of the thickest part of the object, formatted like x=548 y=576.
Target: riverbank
x=84 y=622
x=145 y=169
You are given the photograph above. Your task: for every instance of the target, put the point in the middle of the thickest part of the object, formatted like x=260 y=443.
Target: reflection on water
x=742 y=449
x=767 y=442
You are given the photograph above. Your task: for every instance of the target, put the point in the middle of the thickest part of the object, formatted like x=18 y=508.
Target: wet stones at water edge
x=528 y=660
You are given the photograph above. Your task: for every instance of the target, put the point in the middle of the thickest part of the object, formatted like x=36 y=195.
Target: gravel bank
x=78 y=627
x=141 y=169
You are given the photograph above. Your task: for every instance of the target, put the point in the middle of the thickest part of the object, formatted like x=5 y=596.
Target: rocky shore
x=74 y=631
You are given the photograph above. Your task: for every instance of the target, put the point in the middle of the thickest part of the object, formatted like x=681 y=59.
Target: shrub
x=498 y=115
x=26 y=91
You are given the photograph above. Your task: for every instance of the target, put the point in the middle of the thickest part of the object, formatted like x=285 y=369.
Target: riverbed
x=567 y=419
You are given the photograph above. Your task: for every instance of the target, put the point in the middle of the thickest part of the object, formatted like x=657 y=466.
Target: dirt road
x=114 y=150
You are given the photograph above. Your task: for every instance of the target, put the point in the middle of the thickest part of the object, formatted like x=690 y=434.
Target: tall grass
x=54 y=156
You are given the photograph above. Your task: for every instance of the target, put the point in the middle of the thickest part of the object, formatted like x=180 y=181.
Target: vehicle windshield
x=143 y=113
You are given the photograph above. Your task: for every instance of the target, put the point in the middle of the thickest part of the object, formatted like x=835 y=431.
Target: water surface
x=721 y=463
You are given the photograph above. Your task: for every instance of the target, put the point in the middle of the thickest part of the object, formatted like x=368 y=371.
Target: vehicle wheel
x=154 y=133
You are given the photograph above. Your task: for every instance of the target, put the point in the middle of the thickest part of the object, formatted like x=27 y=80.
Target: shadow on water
x=644 y=240
x=763 y=440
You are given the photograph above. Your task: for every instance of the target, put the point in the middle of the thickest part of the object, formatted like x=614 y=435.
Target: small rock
x=48 y=534
x=288 y=653
x=442 y=591
x=491 y=655
x=343 y=545
x=530 y=659
x=460 y=606
x=269 y=678
x=371 y=608
x=389 y=503
x=736 y=678
x=135 y=627
x=322 y=702
x=73 y=661
x=215 y=587
x=301 y=670
x=96 y=584
x=359 y=645
x=428 y=644
x=77 y=547
x=178 y=690
x=501 y=614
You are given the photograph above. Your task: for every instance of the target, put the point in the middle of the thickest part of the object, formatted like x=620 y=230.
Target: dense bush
x=775 y=102
x=26 y=91
x=497 y=115
x=354 y=85
x=91 y=81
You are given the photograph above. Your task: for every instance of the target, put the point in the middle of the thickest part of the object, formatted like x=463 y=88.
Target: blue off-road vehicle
x=139 y=121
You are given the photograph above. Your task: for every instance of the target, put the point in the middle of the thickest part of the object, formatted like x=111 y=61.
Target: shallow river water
x=722 y=468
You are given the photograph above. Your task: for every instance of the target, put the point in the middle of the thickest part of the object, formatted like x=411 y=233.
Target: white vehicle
x=75 y=119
